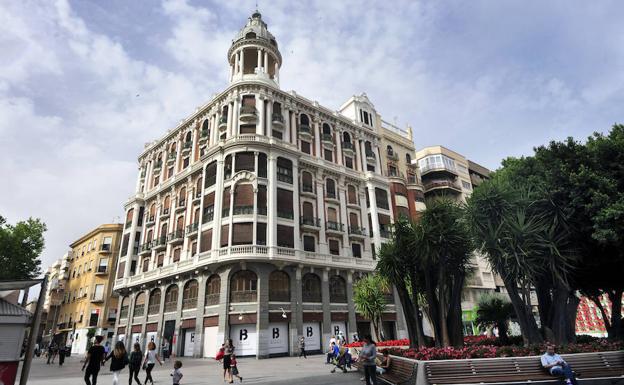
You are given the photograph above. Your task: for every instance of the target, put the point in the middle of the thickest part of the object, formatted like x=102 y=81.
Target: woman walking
x=302 y=351
x=119 y=360
x=135 y=363
x=151 y=356
x=228 y=350
x=368 y=356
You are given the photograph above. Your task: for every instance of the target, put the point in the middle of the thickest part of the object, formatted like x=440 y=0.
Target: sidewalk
x=283 y=370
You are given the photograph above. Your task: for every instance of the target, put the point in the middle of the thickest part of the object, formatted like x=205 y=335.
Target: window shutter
x=226 y=198
x=261 y=233
x=245 y=160
x=262 y=196
x=244 y=195
x=284 y=200
x=285 y=237
x=206 y=240
x=225 y=232
x=242 y=234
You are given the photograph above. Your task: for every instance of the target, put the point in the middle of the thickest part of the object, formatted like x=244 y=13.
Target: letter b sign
x=243 y=334
x=275 y=333
x=309 y=332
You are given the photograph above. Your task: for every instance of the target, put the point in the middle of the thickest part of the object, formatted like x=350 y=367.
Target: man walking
x=557 y=366
x=95 y=357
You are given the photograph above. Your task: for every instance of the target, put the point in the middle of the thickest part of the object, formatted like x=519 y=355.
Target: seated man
x=332 y=353
x=384 y=365
x=557 y=366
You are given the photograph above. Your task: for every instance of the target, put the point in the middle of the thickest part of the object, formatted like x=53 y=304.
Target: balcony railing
x=158 y=166
x=177 y=235
x=370 y=155
x=243 y=210
x=160 y=242
x=225 y=212
x=207 y=217
x=285 y=214
x=223 y=122
x=128 y=223
x=330 y=225
x=248 y=113
x=171 y=157
x=307 y=188
x=123 y=313
x=285 y=178
x=164 y=212
x=393 y=155
x=331 y=194
x=139 y=310
x=212 y=299
x=189 y=303
x=277 y=119
x=244 y=296
x=262 y=211
x=304 y=130
x=101 y=270
x=146 y=247
x=328 y=138
x=153 y=309
x=97 y=298
x=441 y=184
x=171 y=306
x=307 y=221
x=150 y=220
x=192 y=228
x=347 y=146
x=105 y=248
x=356 y=230
x=186 y=147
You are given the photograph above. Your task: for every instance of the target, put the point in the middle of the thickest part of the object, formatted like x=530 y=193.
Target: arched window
x=304 y=120
x=327 y=129
x=279 y=286
x=171 y=298
x=198 y=187
x=182 y=197
x=180 y=223
x=330 y=188
x=154 y=302
x=368 y=146
x=125 y=305
x=250 y=35
x=408 y=159
x=352 y=195
x=189 y=295
x=306 y=182
x=308 y=212
x=166 y=205
x=262 y=165
x=213 y=290
x=150 y=236
x=337 y=289
x=211 y=174
x=390 y=150
x=244 y=287
x=205 y=130
x=188 y=137
x=152 y=212
x=311 y=288
x=139 y=305
x=346 y=137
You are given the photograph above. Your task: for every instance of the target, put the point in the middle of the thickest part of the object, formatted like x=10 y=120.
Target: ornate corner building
x=253 y=218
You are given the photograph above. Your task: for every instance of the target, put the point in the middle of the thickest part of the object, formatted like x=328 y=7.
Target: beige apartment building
x=88 y=300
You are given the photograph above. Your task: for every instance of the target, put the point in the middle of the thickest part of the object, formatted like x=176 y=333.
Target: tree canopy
x=20 y=247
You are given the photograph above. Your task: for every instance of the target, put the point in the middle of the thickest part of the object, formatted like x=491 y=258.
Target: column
x=296 y=312
x=259 y=65
x=161 y=319
x=320 y=209
x=357 y=163
x=235 y=114
x=364 y=222
x=199 y=316
x=293 y=129
x=286 y=118
x=132 y=235
x=260 y=107
x=266 y=62
x=326 y=332
x=262 y=324
x=344 y=219
x=242 y=62
x=269 y=118
x=200 y=220
x=145 y=310
x=178 y=153
x=117 y=321
x=231 y=72
x=362 y=155
x=216 y=227
x=178 y=319
x=231 y=216
x=236 y=63
x=255 y=202
x=338 y=141
x=296 y=205
x=373 y=212
x=224 y=304
x=352 y=320
x=378 y=168
x=195 y=139
x=272 y=203
x=137 y=187
x=276 y=76
x=230 y=112
x=188 y=213
x=317 y=138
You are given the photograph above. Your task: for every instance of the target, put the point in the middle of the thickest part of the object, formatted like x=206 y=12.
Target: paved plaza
x=283 y=370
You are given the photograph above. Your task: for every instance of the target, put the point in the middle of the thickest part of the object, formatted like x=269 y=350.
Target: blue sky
x=84 y=84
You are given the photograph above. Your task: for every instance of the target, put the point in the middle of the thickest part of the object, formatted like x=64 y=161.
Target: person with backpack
x=135 y=363
x=119 y=360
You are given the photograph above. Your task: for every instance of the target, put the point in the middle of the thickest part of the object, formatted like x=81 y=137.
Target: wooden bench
x=522 y=369
x=401 y=371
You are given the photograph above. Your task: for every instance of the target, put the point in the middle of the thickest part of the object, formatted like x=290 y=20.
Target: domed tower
x=254 y=54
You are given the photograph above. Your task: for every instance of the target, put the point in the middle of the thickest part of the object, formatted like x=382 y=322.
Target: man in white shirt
x=556 y=365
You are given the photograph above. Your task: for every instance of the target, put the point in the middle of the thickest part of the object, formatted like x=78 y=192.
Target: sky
x=85 y=84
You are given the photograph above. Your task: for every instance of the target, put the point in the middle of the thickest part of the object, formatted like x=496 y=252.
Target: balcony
x=106 y=248
x=123 y=313
x=203 y=137
x=285 y=178
x=438 y=168
x=348 y=148
x=310 y=222
x=441 y=186
x=171 y=159
x=285 y=214
x=176 y=237
x=278 y=120
x=328 y=140
x=164 y=213
x=160 y=243
x=97 y=298
x=150 y=220
x=243 y=210
x=392 y=156
x=223 y=123
x=197 y=196
x=101 y=270
x=248 y=114
x=331 y=194
x=157 y=167
x=305 y=132
x=334 y=227
x=356 y=231
x=181 y=206
x=244 y=296
x=212 y=299
x=225 y=212
x=262 y=211
x=192 y=228
x=371 y=158
x=385 y=233
x=208 y=217
x=146 y=248
x=186 y=148
x=307 y=189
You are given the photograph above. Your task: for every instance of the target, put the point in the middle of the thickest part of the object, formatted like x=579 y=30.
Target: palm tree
x=369 y=299
x=495 y=310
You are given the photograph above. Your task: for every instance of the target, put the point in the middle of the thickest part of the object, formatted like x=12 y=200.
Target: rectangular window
x=242 y=233
x=98 y=293
x=261 y=233
x=186 y=162
x=356 y=248
x=247 y=128
x=225 y=235
x=206 y=240
x=277 y=134
x=121 y=269
x=285 y=236
x=124 y=245
x=349 y=163
x=309 y=243
x=466 y=185
x=176 y=254
x=334 y=247
x=328 y=155
x=305 y=147
x=160 y=260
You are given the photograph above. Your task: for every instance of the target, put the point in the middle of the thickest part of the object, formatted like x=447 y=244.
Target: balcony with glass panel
x=278 y=120
x=371 y=158
x=176 y=237
x=186 y=148
x=334 y=227
x=248 y=114
x=348 y=148
x=305 y=132
x=223 y=123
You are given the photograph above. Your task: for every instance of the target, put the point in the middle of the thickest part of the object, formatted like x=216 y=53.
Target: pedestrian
x=368 y=356
x=341 y=360
x=62 y=352
x=302 y=351
x=151 y=357
x=93 y=362
x=234 y=365
x=557 y=366
x=332 y=353
x=177 y=374
x=165 y=349
x=228 y=350
x=119 y=360
x=384 y=365
x=135 y=363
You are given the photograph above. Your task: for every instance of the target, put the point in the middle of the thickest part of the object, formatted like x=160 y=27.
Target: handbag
x=234 y=370
x=219 y=355
x=144 y=367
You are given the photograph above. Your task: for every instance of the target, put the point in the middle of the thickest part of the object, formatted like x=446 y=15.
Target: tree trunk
x=410 y=314
x=454 y=315
x=605 y=317
x=422 y=341
x=544 y=302
x=434 y=313
x=615 y=296
x=572 y=308
x=528 y=326
x=502 y=332
x=418 y=314
x=558 y=314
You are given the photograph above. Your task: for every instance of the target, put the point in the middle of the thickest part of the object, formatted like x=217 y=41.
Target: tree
x=495 y=310
x=20 y=247
x=369 y=300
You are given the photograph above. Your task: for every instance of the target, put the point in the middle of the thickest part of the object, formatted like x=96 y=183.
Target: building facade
x=253 y=218
x=54 y=295
x=88 y=301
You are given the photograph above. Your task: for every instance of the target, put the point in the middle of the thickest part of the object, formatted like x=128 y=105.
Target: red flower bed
x=490 y=351
x=403 y=342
